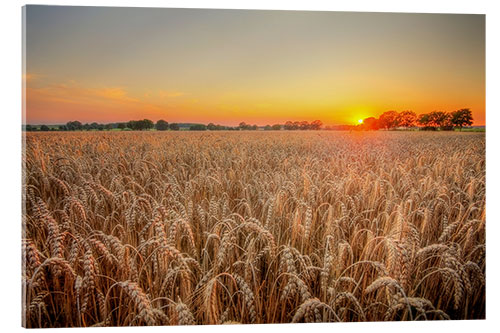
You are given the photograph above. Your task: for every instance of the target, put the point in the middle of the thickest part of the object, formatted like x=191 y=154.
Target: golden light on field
x=137 y=228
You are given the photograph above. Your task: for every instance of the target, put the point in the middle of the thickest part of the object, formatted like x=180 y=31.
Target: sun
x=360 y=121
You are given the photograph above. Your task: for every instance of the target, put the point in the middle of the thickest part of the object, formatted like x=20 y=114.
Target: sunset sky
x=262 y=67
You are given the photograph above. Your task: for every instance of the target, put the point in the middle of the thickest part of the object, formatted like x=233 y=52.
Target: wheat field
x=180 y=228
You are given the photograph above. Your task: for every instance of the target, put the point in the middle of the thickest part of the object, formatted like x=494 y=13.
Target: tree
x=108 y=127
x=304 y=125
x=161 y=125
x=146 y=124
x=44 y=128
x=212 y=127
x=174 y=126
x=316 y=125
x=198 y=127
x=245 y=126
x=425 y=121
x=132 y=124
x=461 y=118
x=406 y=119
x=440 y=119
x=122 y=125
x=388 y=119
x=29 y=128
x=74 y=125
x=371 y=124
x=268 y=128
x=140 y=125
x=63 y=128
x=276 y=127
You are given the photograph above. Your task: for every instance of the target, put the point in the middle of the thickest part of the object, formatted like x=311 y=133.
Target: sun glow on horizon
x=360 y=121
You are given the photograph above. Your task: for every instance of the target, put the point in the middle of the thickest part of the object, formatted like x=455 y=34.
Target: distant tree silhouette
x=74 y=125
x=407 y=119
x=370 y=124
x=174 y=126
x=268 y=128
x=389 y=119
x=132 y=124
x=44 y=128
x=122 y=125
x=140 y=125
x=425 y=121
x=147 y=124
x=244 y=126
x=198 y=127
x=247 y=127
x=108 y=127
x=299 y=125
x=461 y=118
x=213 y=127
x=440 y=119
x=161 y=125
x=303 y=125
x=316 y=125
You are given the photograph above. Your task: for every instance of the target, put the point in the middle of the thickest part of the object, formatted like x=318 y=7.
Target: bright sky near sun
x=227 y=66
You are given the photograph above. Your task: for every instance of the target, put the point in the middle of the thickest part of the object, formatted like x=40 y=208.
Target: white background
x=10 y=131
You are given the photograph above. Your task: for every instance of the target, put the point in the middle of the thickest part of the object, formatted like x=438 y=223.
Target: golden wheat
x=177 y=228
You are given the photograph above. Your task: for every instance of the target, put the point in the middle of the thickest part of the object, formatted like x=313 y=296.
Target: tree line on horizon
x=388 y=120
x=162 y=125
x=445 y=121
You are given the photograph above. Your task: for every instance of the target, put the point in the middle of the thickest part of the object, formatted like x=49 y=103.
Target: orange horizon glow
x=70 y=101
x=258 y=67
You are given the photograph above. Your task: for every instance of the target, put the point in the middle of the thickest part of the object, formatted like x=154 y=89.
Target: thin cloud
x=73 y=92
x=49 y=101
